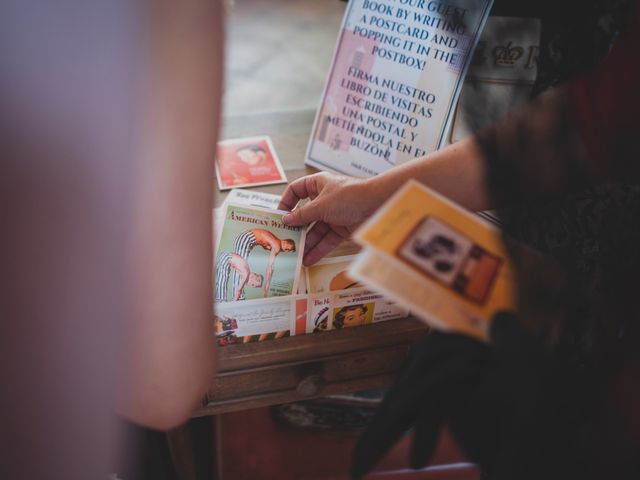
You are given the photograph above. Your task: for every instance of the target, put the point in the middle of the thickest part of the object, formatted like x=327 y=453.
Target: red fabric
x=607 y=108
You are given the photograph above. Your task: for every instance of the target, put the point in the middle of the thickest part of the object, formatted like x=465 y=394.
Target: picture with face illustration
x=247 y=162
x=451 y=258
x=353 y=315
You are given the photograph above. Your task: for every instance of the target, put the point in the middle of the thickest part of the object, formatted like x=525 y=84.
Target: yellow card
x=448 y=265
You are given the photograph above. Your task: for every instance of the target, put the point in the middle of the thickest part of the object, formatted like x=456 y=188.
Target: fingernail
x=288 y=218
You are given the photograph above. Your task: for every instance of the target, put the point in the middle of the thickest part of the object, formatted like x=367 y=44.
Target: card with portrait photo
x=247 y=162
x=450 y=258
x=447 y=265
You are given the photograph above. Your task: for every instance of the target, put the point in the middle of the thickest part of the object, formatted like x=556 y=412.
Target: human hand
x=338 y=205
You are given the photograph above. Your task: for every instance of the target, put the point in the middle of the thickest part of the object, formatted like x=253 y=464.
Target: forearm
x=457 y=172
x=172 y=346
x=532 y=153
x=535 y=152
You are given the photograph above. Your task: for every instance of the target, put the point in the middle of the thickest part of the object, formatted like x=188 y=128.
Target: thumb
x=303 y=215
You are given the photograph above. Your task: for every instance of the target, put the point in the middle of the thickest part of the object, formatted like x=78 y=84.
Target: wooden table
x=301 y=367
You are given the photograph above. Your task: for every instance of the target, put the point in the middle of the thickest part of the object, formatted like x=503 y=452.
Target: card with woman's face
x=248 y=162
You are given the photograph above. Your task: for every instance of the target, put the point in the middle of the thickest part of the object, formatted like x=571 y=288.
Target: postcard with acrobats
x=248 y=162
x=257 y=255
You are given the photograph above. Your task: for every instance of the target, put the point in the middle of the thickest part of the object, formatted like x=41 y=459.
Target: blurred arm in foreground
x=108 y=121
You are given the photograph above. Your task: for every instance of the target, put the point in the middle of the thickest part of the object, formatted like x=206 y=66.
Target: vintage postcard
x=361 y=306
x=253 y=320
x=332 y=291
x=353 y=310
x=350 y=308
x=257 y=255
x=330 y=275
x=418 y=296
x=247 y=162
x=447 y=265
x=248 y=198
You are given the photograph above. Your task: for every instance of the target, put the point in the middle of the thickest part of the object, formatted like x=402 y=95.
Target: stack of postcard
x=337 y=301
x=261 y=290
x=444 y=263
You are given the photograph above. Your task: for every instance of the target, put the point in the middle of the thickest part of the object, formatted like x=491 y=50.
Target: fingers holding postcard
x=258 y=256
x=248 y=162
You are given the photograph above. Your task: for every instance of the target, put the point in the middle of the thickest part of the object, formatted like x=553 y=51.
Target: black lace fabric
x=539 y=169
x=582 y=212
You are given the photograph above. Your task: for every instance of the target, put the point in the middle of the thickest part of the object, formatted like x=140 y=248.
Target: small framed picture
x=451 y=258
x=247 y=162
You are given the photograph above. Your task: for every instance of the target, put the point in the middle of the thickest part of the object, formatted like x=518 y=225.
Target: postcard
x=257 y=255
x=332 y=291
x=330 y=275
x=423 y=301
x=362 y=307
x=249 y=198
x=447 y=265
x=252 y=320
x=350 y=308
x=247 y=162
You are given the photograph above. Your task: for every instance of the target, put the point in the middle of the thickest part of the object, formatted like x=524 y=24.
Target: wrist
x=365 y=191
x=377 y=190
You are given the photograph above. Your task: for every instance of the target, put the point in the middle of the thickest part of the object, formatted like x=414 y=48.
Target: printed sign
x=394 y=81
